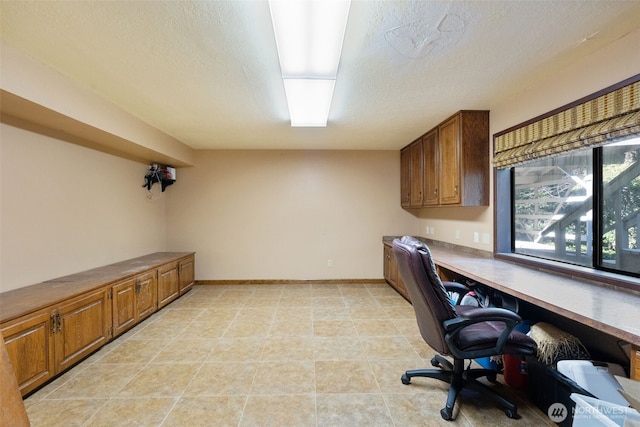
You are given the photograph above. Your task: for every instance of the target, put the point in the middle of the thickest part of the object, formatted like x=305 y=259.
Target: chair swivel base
x=459 y=378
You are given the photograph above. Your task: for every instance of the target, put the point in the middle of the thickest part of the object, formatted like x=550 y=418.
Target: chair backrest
x=430 y=300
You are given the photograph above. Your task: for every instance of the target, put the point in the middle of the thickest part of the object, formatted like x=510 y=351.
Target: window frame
x=503 y=207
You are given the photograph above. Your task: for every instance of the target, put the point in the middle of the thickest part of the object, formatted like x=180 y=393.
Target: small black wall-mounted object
x=165 y=175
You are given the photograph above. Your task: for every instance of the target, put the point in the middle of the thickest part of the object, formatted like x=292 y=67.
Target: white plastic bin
x=595 y=377
x=591 y=412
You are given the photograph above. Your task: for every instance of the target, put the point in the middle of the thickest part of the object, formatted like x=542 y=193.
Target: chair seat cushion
x=483 y=335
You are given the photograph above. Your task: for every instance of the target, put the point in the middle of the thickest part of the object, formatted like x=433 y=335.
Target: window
x=620 y=212
x=553 y=207
x=567 y=188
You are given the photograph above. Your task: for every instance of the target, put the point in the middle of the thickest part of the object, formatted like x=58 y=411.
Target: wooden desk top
x=616 y=312
x=29 y=299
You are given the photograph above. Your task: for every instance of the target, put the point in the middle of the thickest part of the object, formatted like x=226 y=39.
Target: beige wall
x=45 y=88
x=284 y=214
x=66 y=209
x=584 y=76
x=248 y=214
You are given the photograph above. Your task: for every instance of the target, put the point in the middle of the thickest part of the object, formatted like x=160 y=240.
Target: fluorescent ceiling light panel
x=309 y=101
x=309 y=36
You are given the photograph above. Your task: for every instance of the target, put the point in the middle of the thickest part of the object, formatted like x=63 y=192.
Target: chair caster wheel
x=492 y=377
x=446 y=413
x=405 y=379
x=435 y=362
x=511 y=414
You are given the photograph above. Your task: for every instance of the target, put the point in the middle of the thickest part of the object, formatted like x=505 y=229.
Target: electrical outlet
x=432 y=230
x=476 y=237
x=426 y=230
x=457 y=234
x=485 y=238
x=329 y=263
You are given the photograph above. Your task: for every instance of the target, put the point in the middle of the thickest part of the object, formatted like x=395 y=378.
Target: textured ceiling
x=207 y=72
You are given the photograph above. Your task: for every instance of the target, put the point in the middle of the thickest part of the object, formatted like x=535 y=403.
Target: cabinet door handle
x=138 y=286
x=53 y=323
x=59 y=321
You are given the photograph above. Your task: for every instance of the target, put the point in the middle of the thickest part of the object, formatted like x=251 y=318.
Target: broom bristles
x=554 y=344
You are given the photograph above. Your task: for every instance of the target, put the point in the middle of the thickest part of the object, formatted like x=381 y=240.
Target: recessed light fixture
x=309 y=36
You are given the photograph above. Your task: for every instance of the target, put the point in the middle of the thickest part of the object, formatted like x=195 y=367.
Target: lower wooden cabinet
x=82 y=325
x=146 y=295
x=45 y=343
x=635 y=363
x=175 y=279
x=134 y=300
x=391 y=274
x=29 y=344
x=51 y=326
x=186 y=274
x=168 y=284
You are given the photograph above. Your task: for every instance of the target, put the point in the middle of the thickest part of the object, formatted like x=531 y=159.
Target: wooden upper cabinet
x=431 y=155
x=455 y=163
x=405 y=177
x=417 y=170
x=449 y=161
x=412 y=167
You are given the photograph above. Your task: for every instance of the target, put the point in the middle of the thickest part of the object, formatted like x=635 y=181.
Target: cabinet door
x=416 y=173
x=393 y=269
x=405 y=177
x=402 y=288
x=124 y=303
x=387 y=263
x=82 y=325
x=168 y=285
x=431 y=168
x=186 y=271
x=30 y=348
x=146 y=295
x=449 y=144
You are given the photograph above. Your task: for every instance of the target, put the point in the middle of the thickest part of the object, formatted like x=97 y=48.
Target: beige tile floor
x=266 y=355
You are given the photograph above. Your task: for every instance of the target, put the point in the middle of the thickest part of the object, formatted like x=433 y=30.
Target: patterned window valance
x=610 y=116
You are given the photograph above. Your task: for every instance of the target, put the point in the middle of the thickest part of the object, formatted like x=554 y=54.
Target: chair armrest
x=458 y=288
x=486 y=314
x=474 y=315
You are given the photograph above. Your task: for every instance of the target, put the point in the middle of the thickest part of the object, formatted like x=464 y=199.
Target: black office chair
x=463 y=332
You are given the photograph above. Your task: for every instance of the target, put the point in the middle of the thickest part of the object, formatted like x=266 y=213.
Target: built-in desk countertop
x=613 y=311
x=21 y=301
